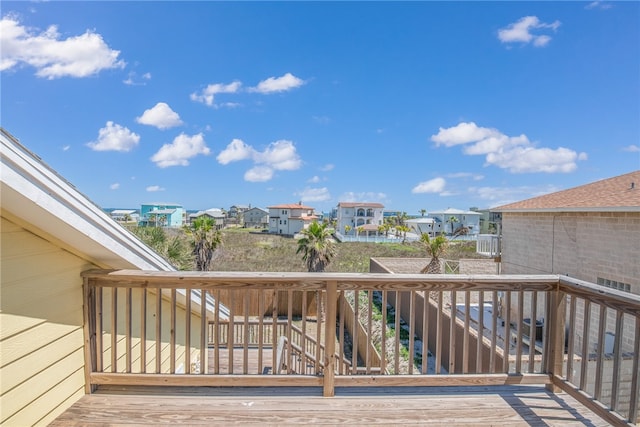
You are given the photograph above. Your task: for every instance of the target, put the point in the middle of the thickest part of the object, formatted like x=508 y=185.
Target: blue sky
x=416 y=105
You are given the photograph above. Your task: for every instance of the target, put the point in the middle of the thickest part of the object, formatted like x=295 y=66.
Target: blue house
x=162 y=215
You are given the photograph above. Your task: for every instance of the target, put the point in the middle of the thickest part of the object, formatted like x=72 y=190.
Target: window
x=625 y=287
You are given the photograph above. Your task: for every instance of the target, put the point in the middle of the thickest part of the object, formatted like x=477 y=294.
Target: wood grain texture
x=498 y=406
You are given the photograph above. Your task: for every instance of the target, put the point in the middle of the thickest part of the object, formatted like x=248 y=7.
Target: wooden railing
x=431 y=330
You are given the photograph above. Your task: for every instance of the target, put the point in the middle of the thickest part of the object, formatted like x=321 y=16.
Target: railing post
x=330 y=339
x=557 y=315
x=90 y=355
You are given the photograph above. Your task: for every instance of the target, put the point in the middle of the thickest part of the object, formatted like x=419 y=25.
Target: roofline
x=571 y=209
x=39 y=197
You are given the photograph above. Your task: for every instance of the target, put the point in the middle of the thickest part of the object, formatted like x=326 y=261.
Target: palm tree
x=206 y=239
x=436 y=247
x=172 y=248
x=423 y=212
x=316 y=246
x=451 y=221
x=347 y=229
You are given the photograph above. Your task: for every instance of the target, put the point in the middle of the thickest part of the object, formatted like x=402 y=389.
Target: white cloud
x=160 y=116
x=516 y=154
x=632 y=148
x=314 y=179
x=154 y=188
x=328 y=167
x=114 y=186
x=52 y=57
x=258 y=174
x=279 y=155
x=278 y=84
x=66 y=148
x=178 y=153
x=598 y=5
x=473 y=176
x=462 y=134
x=521 y=31
x=132 y=79
x=207 y=95
x=435 y=185
x=236 y=150
x=497 y=196
x=530 y=159
x=314 y=194
x=114 y=137
x=367 y=196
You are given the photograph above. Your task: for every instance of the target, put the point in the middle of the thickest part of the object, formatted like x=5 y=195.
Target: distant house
x=50 y=233
x=162 y=215
x=359 y=214
x=236 y=210
x=215 y=214
x=422 y=225
x=455 y=221
x=257 y=218
x=590 y=232
x=125 y=215
x=290 y=218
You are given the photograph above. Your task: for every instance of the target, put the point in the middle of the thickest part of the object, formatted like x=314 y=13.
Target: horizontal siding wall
x=41 y=337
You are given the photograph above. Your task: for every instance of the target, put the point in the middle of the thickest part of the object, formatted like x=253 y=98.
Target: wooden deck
x=451 y=406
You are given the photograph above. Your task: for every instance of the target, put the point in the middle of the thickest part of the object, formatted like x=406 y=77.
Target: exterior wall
x=586 y=246
x=582 y=245
x=41 y=328
x=41 y=324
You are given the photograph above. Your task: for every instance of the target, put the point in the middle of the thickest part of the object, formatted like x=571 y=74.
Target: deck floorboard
x=451 y=406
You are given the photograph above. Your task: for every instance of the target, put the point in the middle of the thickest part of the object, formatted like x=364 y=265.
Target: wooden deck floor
x=451 y=406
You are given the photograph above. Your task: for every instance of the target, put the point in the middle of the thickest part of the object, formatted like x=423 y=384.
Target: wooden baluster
x=114 y=329
x=602 y=326
x=245 y=356
x=465 y=339
x=187 y=335
x=216 y=335
x=158 y=330
x=480 y=346
x=533 y=331
x=617 y=361
x=507 y=332
x=452 y=333
x=143 y=330
x=494 y=332
x=172 y=340
x=328 y=385
x=203 y=330
x=412 y=328
x=571 y=339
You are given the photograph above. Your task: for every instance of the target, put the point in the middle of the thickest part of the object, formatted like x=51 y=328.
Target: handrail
x=134 y=339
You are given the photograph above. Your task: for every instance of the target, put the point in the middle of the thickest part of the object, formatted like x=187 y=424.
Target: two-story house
x=290 y=218
x=256 y=217
x=162 y=215
x=354 y=215
x=456 y=221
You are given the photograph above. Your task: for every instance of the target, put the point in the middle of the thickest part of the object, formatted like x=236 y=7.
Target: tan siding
x=41 y=358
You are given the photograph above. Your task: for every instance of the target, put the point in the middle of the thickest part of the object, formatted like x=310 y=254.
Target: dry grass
x=244 y=250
